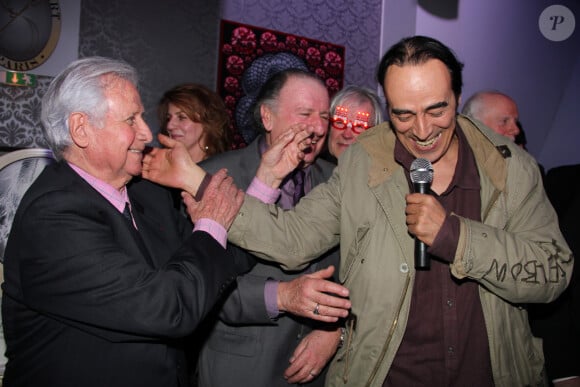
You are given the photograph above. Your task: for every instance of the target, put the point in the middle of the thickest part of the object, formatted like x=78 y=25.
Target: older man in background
x=496 y=110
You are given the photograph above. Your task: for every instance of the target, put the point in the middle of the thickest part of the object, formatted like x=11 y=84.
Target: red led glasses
x=340 y=120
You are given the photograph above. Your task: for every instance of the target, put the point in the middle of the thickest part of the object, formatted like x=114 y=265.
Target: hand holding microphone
x=421 y=176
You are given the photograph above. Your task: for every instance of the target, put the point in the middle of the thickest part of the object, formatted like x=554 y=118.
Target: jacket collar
x=488 y=149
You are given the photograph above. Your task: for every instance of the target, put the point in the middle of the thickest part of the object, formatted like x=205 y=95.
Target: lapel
x=491 y=164
x=126 y=233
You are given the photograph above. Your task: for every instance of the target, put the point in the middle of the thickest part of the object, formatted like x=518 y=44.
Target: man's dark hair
x=416 y=50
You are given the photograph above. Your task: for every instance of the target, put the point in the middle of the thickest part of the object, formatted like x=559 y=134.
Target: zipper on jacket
x=350 y=324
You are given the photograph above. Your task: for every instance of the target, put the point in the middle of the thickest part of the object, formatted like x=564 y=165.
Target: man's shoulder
x=377 y=141
x=231 y=159
x=219 y=160
x=241 y=164
x=56 y=177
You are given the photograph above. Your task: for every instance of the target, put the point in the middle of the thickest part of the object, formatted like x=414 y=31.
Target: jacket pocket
x=356 y=253
x=239 y=342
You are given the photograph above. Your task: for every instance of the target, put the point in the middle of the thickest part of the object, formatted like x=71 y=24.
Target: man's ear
x=266 y=115
x=78 y=124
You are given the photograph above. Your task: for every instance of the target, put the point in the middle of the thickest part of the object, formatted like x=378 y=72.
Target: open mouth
x=428 y=143
x=312 y=146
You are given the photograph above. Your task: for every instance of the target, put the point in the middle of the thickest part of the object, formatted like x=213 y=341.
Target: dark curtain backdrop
x=169 y=42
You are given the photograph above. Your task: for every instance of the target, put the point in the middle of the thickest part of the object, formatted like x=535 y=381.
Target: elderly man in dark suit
x=102 y=275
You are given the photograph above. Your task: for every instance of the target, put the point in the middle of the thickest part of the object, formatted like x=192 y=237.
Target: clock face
x=29 y=32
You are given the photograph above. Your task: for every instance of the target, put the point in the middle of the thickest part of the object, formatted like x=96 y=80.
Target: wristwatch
x=342 y=337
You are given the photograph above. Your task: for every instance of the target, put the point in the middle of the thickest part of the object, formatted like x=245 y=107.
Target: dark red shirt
x=445 y=341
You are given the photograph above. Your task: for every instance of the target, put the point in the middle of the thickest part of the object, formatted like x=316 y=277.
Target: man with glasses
x=353 y=110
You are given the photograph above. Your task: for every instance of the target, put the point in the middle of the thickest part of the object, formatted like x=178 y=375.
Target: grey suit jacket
x=245 y=347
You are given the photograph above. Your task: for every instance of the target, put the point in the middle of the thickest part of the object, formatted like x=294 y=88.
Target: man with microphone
x=491 y=235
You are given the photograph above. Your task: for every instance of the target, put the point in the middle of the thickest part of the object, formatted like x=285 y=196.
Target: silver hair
x=359 y=95
x=79 y=88
x=475 y=105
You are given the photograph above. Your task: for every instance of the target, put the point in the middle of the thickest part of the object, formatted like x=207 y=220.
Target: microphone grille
x=421 y=171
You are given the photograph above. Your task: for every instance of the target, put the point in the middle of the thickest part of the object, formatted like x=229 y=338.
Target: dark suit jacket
x=245 y=347
x=558 y=323
x=85 y=304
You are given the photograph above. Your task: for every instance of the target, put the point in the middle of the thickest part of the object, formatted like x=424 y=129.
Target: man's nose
x=320 y=126
x=421 y=130
x=144 y=132
x=514 y=129
x=348 y=131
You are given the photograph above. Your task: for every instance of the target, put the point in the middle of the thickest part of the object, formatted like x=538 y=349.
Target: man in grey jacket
x=492 y=237
x=268 y=321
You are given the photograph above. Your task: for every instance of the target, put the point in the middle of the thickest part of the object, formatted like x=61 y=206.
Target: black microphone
x=421 y=177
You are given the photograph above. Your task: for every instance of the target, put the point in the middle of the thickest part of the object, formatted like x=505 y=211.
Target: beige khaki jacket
x=517 y=254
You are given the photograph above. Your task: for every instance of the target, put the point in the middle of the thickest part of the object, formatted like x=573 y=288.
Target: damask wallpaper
x=176 y=41
x=20 y=115
x=169 y=42
x=352 y=24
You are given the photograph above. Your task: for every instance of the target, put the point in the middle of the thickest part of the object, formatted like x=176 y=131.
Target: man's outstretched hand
x=172 y=166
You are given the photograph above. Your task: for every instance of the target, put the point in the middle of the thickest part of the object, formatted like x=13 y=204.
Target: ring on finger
x=316 y=311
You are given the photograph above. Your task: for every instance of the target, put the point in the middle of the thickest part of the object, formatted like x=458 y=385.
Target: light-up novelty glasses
x=340 y=120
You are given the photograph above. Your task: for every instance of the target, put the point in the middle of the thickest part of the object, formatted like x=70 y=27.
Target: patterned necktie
x=298 y=179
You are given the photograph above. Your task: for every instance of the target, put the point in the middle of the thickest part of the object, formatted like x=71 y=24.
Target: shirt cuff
x=263 y=192
x=213 y=228
x=271 y=298
x=445 y=244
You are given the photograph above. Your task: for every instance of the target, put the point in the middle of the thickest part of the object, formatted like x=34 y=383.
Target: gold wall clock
x=29 y=32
